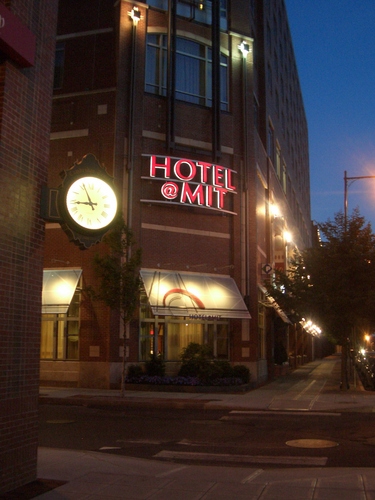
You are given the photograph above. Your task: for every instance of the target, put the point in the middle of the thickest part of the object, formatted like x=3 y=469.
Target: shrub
x=196 y=359
x=155 y=367
x=134 y=371
x=224 y=368
x=198 y=368
x=242 y=372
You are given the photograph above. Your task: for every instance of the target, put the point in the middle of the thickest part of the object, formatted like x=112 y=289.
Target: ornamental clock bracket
x=85 y=203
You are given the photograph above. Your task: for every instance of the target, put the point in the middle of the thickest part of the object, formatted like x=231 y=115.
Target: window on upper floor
x=256 y=115
x=59 y=65
x=268 y=37
x=284 y=177
x=193 y=70
x=195 y=10
x=278 y=161
x=271 y=144
x=277 y=103
x=269 y=78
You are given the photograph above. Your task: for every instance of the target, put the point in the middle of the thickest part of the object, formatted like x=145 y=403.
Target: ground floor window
x=60 y=333
x=169 y=335
x=261 y=325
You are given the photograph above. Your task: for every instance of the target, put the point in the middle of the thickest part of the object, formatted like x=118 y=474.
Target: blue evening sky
x=334 y=45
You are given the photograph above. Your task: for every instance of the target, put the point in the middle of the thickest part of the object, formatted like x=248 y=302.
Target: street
x=220 y=437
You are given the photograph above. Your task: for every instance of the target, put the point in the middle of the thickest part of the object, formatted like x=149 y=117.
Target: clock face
x=91 y=203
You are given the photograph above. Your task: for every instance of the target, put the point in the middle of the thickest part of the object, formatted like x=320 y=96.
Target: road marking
x=57 y=421
x=252 y=476
x=187 y=442
x=139 y=441
x=104 y=448
x=168 y=473
x=260 y=459
x=284 y=412
x=304 y=390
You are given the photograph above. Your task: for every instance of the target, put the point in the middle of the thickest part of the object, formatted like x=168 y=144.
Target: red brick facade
x=104 y=106
x=25 y=107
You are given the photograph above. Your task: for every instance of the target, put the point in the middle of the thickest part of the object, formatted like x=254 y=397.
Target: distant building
x=196 y=110
x=27 y=47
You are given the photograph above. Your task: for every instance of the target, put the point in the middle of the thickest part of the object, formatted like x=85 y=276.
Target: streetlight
x=346 y=179
x=367 y=340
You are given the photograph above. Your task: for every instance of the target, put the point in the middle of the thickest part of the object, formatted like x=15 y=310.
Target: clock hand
x=84 y=203
x=88 y=197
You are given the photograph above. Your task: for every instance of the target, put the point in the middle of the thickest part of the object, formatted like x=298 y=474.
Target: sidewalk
x=313 y=387
x=95 y=476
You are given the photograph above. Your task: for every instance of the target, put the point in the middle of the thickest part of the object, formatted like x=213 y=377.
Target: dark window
x=195 y=10
x=271 y=144
x=59 y=65
x=193 y=70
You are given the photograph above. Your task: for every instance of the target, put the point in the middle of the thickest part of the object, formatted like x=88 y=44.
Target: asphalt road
x=219 y=437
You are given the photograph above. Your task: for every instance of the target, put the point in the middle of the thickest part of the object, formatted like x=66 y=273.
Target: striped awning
x=271 y=302
x=198 y=296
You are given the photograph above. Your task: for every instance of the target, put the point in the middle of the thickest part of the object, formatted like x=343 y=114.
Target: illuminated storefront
x=179 y=308
x=60 y=314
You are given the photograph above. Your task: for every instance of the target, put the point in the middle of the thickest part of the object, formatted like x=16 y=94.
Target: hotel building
x=195 y=109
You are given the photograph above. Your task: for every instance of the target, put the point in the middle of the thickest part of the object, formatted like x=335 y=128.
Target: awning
x=271 y=302
x=59 y=286
x=199 y=296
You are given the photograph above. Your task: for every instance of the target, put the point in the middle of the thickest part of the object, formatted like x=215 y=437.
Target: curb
x=120 y=404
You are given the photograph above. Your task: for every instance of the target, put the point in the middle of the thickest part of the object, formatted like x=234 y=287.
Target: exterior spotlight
x=135 y=15
x=287 y=236
x=275 y=212
x=244 y=49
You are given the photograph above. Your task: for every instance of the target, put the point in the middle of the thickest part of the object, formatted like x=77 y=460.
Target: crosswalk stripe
x=285 y=412
x=260 y=459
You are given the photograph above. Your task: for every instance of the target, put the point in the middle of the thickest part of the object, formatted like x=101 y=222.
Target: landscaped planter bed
x=190 y=388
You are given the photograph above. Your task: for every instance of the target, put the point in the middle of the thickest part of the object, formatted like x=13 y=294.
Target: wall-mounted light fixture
x=244 y=48
x=287 y=236
x=311 y=327
x=275 y=212
x=135 y=15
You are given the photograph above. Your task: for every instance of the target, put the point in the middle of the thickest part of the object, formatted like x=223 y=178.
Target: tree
x=119 y=279
x=333 y=283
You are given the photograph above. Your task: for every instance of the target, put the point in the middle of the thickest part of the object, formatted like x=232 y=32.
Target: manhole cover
x=312 y=443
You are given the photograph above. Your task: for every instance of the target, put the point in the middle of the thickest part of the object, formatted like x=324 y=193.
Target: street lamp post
x=346 y=179
x=346 y=185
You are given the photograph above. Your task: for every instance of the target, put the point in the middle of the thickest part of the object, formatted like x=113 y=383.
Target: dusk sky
x=334 y=44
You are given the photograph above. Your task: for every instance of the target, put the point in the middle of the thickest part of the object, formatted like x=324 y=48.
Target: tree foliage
x=119 y=279
x=118 y=272
x=333 y=283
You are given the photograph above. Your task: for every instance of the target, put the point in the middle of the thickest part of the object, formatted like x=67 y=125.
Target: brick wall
x=25 y=104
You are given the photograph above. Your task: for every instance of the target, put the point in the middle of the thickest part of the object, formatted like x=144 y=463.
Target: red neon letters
x=193 y=182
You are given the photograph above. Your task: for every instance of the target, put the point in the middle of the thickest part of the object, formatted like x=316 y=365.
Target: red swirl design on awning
x=191 y=296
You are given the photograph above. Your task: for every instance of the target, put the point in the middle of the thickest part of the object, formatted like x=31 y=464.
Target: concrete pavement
x=311 y=388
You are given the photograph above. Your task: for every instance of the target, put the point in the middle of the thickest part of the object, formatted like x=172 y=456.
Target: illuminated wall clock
x=91 y=203
x=87 y=202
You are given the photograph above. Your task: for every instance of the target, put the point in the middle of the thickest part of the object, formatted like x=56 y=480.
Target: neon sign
x=192 y=182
